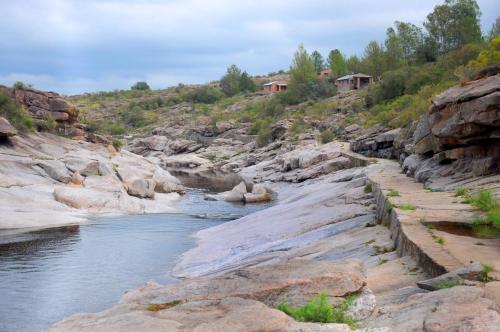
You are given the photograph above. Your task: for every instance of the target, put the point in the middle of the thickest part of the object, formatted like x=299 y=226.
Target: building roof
x=277 y=83
x=348 y=77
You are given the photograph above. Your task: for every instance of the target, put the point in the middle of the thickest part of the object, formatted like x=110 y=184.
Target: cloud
x=75 y=46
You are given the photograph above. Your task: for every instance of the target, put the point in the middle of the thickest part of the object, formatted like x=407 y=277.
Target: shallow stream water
x=46 y=275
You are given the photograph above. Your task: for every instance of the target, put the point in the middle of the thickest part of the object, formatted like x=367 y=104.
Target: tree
x=141 y=85
x=319 y=62
x=246 y=83
x=354 y=65
x=302 y=77
x=410 y=38
x=374 y=61
x=394 y=50
x=302 y=70
x=230 y=82
x=495 y=29
x=336 y=62
x=454 y=24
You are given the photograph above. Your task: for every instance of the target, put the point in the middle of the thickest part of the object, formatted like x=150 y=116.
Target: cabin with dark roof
x=353 y=82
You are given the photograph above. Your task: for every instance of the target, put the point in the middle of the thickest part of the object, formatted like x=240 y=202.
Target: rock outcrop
x=463 y=128
x=377 y=142
x=48 y=180
x=6 y=129
x=49 y=106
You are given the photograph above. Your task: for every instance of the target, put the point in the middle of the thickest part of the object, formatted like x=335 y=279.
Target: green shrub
x=264 y=136
x=319 y=309
x=205 y=94
x=450 y=283
x=392 y=193
x=141 y=86
x=17 y=116
x=494 y=217
x=484 y=274
x=462 y=192
x=407 y=207
x=326 y=136
x=115 y=129
x=484 y=201
x=19 y=85
x=368 y=187
x=117 y=144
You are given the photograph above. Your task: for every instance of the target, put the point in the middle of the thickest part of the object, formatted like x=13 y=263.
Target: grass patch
x=483 y=228
x=484 y=274
x=407 y=207
x=484 y=201
x=161 y=306
x=326 y=136
x=117 y=144
x=462 y=192
x=389 y=207
x=319 y=309
x=368 y=188
x=392 y=193
x=450 y=283
x=433 y=190
x=382 y=261
x=438 y=239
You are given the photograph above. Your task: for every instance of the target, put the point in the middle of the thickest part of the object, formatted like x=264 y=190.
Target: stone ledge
x=411 y=237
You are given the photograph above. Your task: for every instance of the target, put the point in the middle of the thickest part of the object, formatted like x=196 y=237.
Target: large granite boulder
x=6 y=129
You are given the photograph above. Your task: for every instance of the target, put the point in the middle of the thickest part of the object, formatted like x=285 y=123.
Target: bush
x=326 y=136
x=318 y=309
x=484 y=201
x=117 y=144
x=140 y=86
x=205 y=94
x=115 y=129
x=19 y=85
x=17 y=116
x=484 y=275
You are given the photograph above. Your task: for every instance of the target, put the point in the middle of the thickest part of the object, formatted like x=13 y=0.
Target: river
x=46 y=275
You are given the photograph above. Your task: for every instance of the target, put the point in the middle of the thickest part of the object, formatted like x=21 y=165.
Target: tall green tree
x=230 y=82
x=246 y=83
x=454 y=24
x=354 y=65
x=336 y=62
x=318 y=60
x=302 y=70
x=302 y=77
x=374 y=60
x=410 y=38
x=495 y=30
x=393 y=50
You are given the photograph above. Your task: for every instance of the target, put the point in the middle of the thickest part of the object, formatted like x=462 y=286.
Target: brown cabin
x=353 y=82
x=276 y=86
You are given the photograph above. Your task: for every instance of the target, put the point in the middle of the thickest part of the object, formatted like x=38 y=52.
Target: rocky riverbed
x=333 y=229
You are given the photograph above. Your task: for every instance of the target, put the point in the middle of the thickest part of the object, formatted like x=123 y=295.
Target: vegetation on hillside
x=413 y=64
x=17 y=116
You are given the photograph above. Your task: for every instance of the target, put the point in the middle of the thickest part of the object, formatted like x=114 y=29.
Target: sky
x=77 y=46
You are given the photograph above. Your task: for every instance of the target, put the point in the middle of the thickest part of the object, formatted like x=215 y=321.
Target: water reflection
x=46 y=275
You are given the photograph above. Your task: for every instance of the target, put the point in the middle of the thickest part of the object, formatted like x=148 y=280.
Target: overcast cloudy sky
x=83 y=46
